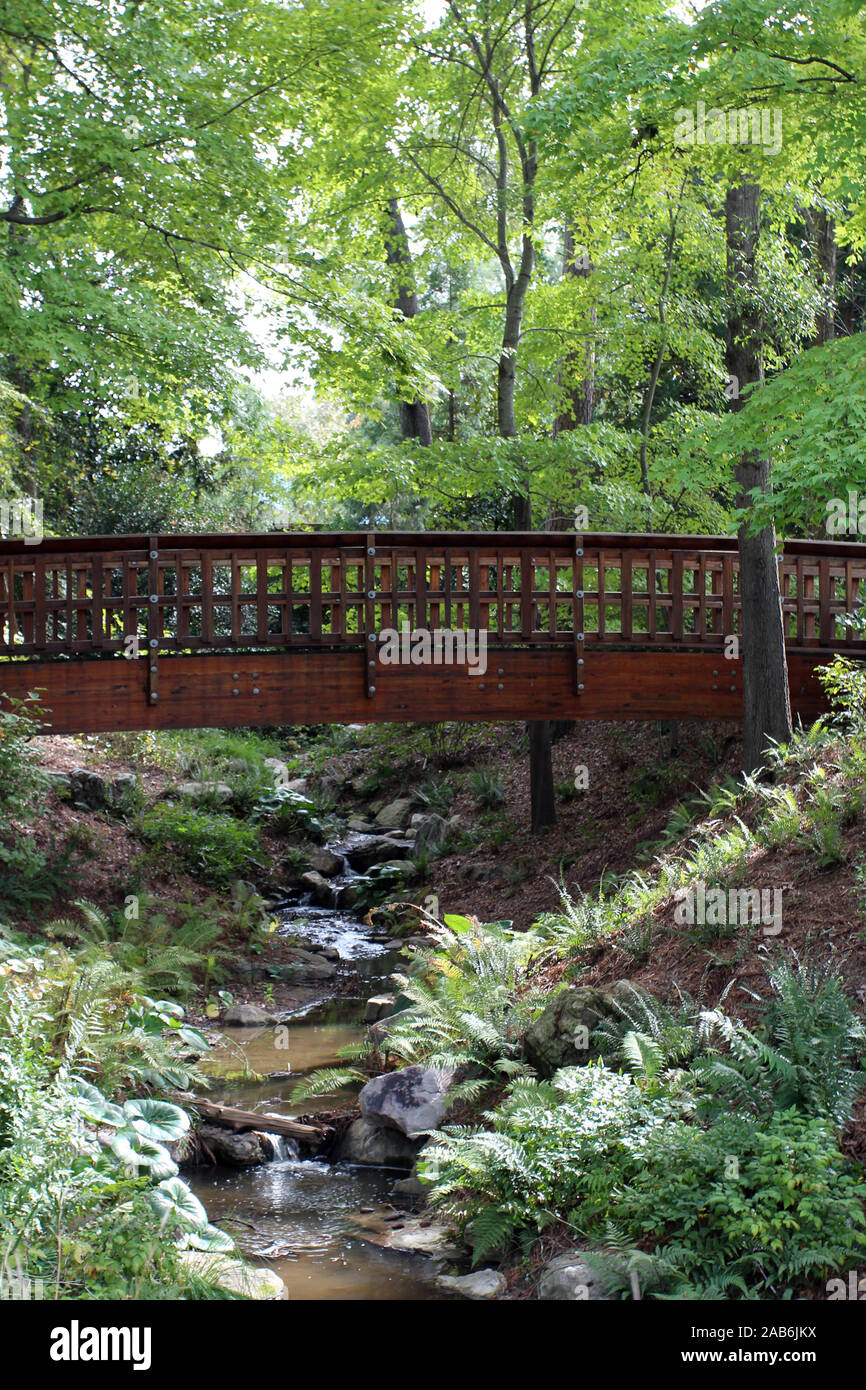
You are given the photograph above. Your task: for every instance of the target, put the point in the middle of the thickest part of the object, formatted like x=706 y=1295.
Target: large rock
x=568 y=1278
x=366 y=1143
x=247 y=1016
x=247 y=1150
x=91 y=792
x=405 y=868
x=307 y=967
x=318 y=887
x=412 y=1234
x=233 y=1275
x=431 y=832
x=375 y=849
x=378 y=1006
x=484 y=1283
x=324 y=861
x=396 y=814
x=560 y=1036
x=486 y=871
x=412 y=1100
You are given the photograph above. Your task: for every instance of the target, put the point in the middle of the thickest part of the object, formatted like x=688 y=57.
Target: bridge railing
x=93 y=595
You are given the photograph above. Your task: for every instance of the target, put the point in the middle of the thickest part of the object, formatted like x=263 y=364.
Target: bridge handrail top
x=309 y=540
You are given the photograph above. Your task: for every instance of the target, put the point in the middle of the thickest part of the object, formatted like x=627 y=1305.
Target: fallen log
x=231 y=1118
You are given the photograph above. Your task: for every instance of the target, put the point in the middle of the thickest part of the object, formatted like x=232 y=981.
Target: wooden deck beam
x=329 y=687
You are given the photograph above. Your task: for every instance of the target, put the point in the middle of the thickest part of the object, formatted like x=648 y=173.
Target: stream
x=296 y=1216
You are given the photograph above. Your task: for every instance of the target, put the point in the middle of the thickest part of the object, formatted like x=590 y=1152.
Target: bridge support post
x=153 y=620
x=370 y=615
x=577 y=609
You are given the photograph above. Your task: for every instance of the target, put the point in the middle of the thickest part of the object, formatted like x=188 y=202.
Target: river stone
x=559 y=1037
x=234 y=1275
x=569 y=1278
x=358 y=823
x=404 y=867
x=396 y=814
x=413 y=1099
x=325 y=862
x=413 y=1234
x=378 y=1006
x=247 y=1150
x=308 y=967
x=376 y=849
x=318 y=886
x=484 y=1283
x=246 y=1016
x=366 y=1143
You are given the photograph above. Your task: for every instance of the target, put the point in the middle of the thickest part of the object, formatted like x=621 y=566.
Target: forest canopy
x=417 y=264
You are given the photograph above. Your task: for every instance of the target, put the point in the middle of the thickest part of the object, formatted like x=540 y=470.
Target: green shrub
x=158 y=949
x=556 y=1150
x=21 y=778
x=215 y=847
x=289 y=812
x=754 y=1206
x=33 y=877
x=90 y=1200
x=809 y=1053
x=468 y=1004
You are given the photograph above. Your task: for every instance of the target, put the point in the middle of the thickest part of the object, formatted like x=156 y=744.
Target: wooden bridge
x=146 y=632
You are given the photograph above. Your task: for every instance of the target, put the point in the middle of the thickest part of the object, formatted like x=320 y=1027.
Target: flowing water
x=294 y=1215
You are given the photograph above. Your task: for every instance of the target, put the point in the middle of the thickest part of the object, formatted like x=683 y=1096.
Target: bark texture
x=767 y=705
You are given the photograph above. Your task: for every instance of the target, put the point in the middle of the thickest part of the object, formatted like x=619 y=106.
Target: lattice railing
x=91 y=595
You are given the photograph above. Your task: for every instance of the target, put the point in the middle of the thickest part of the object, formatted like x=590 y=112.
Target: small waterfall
x=282 y=1148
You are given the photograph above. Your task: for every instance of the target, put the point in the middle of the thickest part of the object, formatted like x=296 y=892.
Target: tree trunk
x=766 y=698
x=414 y=415
x=822 y=234
x=541 y=773
x=578 y=368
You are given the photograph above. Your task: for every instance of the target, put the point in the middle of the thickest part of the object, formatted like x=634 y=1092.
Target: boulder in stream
x=307 y=967
x=375 y=849
x=247 y=1016
x=366 y=1143
x=412 y=1100
x=319 y=887
x=325 y=861
x=483 y=1283
x=247 y=1150
x=378 y=1006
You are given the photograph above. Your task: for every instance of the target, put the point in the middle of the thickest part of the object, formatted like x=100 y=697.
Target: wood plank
x=324 y=687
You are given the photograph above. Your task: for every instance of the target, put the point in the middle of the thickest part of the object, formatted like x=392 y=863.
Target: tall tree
x=766 y=699
x=414 y=414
